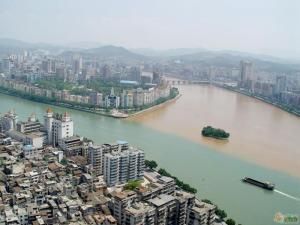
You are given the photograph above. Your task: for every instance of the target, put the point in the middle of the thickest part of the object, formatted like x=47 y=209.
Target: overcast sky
x=258 y=26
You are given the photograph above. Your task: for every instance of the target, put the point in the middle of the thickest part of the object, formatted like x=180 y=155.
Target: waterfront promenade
x=99 y=111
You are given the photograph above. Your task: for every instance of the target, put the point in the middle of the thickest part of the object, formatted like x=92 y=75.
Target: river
x=212 y=167
x=260 y=132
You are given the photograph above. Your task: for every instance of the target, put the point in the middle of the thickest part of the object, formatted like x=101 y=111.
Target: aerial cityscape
x=149 y=113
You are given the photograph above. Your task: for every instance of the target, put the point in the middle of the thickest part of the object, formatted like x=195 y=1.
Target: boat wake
x=287 y=195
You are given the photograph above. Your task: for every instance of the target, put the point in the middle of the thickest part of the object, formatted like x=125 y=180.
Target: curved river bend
x=203 y=163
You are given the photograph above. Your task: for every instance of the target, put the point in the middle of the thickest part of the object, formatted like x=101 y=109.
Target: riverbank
x=153 y=108
x=276 y=104
x=60 y=104
x=112 y=113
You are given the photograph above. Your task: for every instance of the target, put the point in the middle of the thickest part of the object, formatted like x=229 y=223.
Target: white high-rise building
x=120 y=167
x=58 y=127
x=8 y=121
x=96 y=154
x=127 y=99
x=111 y=169
x=138 y=97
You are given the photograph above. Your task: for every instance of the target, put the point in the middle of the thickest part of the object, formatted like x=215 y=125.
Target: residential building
x=246 y=70
x=135 y=74
x=95 y=154
x=29 y=151
x=201 y=214
x=139 y=213
x=8 y=121
x=112 y=101
x=58 y=127
x=119 y=202
x=159 y=185
x=96 y=98
x=138 y=97
x=77 y=65
x=120 y=167
x=281 y=84
x=7 y=66
x=127 y=99
x=165 y=209
x=32 y=125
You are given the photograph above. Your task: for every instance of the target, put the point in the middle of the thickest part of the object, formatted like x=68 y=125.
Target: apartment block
x=120 y=167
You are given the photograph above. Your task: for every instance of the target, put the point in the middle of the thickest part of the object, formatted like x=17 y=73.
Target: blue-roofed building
x=29 y=151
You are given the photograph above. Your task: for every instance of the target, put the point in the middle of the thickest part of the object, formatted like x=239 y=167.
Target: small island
x=217 y=133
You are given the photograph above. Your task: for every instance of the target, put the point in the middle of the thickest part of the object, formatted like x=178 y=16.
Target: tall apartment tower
x=77 y=65
x=111 y=168
x=6 y=65
x=49 y=66
x=120 y=167
x=95 y=159
x=96 y=154
x=58 y=127
x=280 y=85
x=246 y=71
x=135 y=74
x=96 y=98
x=48 y=123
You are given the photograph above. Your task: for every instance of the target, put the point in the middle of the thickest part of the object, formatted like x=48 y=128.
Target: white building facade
x=120 y=167
x=58 y=127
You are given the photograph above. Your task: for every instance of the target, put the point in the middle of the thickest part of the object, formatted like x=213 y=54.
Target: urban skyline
x=198 y=24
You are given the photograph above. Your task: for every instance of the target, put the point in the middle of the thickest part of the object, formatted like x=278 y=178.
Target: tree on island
x=209 y=131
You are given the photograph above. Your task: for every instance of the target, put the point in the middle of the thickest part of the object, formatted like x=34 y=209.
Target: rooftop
x=123 y=194
x=161 y=200
x=139 y=208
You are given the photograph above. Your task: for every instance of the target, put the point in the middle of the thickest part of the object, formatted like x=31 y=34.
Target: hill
x=232 y=59
x=108 y=52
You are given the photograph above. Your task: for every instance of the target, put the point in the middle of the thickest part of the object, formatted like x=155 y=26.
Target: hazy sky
x=259 y=26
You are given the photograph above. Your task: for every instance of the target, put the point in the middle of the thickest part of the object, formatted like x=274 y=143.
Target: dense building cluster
x=143 y=85
x=128 y=99
x=20 y=70
x=51 y=176
x=276 y=89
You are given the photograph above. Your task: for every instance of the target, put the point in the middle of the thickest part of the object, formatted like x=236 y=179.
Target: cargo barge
x=265 y=185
